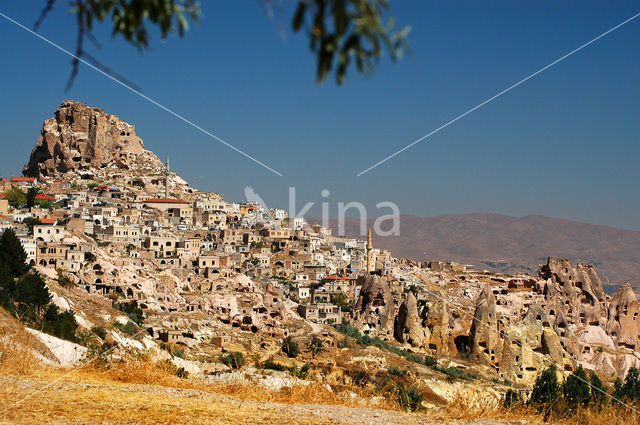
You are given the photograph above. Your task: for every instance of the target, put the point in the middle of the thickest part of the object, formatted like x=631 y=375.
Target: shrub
x=341 y=300
x=290 y=347
x=61 y=325
x=429 y=361
x=64 y=280
x=344 y=342
x=181 y=373
x=129 y=328
x=234 y=360
x=358 y=377
x=455 y=373
x=16 y=197
x=301 y=373
x=511 y=398
x=271 y=365
x=410 y=399
x=134 y=312
x=100 y=331
x=396 y=372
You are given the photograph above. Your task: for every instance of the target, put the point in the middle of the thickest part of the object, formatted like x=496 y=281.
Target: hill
x=513 y=244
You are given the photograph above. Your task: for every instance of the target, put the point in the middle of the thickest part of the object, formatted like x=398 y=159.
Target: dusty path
x=117 y=403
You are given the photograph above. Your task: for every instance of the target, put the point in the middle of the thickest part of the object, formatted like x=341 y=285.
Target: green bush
x=429 y=361
x=61 y=325
x=455 y=373
x=64 y=280
x=396 y=372
x=234 y=360
x=409 y=399
x=131 y=309
x=129 y=328
x=181 y=373
x=358 y=377
x=100 y=331
x=271 y=365
x=301 y=373
x=511 y=398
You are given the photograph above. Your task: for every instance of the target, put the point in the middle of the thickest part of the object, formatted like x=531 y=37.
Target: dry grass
x=136 y=388
x=143 y=371
x=17 y=347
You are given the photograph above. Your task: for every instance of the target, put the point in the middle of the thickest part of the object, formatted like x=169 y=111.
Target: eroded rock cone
x=408 y=327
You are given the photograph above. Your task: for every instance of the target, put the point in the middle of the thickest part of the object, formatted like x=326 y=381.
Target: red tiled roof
x=166 y=201
x=6 y=218
x=45 y=197
x=48 y=220
x=23 y=179
x=336 y=277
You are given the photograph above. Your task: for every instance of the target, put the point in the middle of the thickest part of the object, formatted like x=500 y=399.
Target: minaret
x=369 y=248
x=166 y=179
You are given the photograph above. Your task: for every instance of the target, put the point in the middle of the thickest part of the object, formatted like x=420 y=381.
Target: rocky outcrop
x=438 y=339
x=80 y=137
x=408 y=327
x=574 y=299
x=375 y=309
x=623 y=318
x=530 y=346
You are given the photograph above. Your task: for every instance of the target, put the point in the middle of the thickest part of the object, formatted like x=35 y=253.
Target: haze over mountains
x=513 y=244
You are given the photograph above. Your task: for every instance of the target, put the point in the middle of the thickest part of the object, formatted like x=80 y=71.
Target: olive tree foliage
x=340 y=32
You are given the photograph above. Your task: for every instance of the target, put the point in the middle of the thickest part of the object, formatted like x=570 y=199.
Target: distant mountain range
x=513 y=244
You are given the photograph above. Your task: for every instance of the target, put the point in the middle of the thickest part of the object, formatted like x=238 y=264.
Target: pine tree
x=7 y=287
x=32 y=291
x=576 y=389
x=12 y=254
x=618 y=390
x=31 y=196
x=546 y=391
x=631 y=388
x=598 y=391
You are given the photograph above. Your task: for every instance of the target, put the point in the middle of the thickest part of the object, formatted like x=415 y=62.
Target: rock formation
x=484 y=340
x=530 y=346
x=436 y=320
x=408 y=327
x=623 y=318
x=375 y=310
x=81 y=137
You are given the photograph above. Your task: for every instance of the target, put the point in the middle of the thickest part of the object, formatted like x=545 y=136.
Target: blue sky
x=565 y=143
